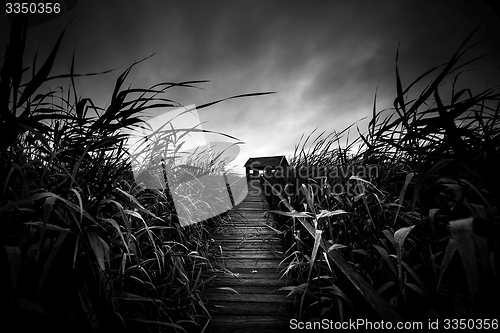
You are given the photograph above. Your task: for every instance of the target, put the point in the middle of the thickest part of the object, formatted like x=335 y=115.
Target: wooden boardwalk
x=247 y=260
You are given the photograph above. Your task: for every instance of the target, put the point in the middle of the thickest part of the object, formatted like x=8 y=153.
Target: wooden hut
x=268 y=164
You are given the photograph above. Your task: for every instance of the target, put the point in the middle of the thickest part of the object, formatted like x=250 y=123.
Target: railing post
x=229 y=189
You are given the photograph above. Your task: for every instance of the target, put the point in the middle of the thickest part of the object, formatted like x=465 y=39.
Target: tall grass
x=84 y=248
x=420 y=196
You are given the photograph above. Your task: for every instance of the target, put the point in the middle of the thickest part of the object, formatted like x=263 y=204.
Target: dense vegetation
x=412 y=203
x=84 y=246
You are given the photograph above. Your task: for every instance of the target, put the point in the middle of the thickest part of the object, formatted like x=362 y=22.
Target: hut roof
x=260 y=163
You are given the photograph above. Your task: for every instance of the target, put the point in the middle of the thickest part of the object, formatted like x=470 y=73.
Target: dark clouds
x=324 y=59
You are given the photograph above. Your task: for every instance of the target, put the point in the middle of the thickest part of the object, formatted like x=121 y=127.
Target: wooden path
x=247 y=260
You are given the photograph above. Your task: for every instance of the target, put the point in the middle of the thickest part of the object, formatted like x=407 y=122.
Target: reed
x=412 y=203
x=83 y=248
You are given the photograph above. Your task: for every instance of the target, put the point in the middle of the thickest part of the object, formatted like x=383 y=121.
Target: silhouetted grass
x=84 y=248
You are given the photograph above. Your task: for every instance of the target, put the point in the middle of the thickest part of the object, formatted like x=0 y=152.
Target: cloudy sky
x=323 y=59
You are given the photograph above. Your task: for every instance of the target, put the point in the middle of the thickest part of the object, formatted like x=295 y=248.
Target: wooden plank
x=245 y=233
x=264 y=253
x=263 y=220
x=246 y=289
x=262 y=203
x=251 y=263
x=249 y=238
x=238 y=276
x=250 y=223
x=256 y=223
x=255 y=234
x=253 y=218
x=250 y=309
x=262 y=273
x=256 y=242
x=250 y=216
x=245 y=230
x=259 y=322
x=249 y=206
x=232 y=238
x=240 y=273
x=255 y=297
x=259 y=249
x=249 y=255
x=248 y=324
x=246 y=212
x=245 y=226
x=237 y=245
x=254 y=199
x=234 y=282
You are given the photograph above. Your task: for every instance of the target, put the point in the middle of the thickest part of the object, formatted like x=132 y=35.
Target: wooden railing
x=373 y=299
